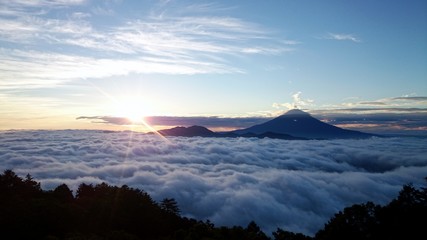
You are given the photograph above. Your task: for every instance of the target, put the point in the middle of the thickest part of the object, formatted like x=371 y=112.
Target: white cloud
x=49 y=69
x=31 y=29
x=298 y=102
x=80 y=15
x=406 y=101
x=291 y=42
x=206 y=7
x=34 y=7
x=268 y=51
x=295 y=185
x=166 y=45
x=42 y=3
x=343 y=37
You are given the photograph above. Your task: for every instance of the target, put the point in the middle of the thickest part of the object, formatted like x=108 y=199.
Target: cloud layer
x=295 y=185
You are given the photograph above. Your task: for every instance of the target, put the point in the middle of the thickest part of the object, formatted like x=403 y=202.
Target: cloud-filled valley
x=294 y=185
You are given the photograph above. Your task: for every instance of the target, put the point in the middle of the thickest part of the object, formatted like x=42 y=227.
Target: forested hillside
x=109 y=212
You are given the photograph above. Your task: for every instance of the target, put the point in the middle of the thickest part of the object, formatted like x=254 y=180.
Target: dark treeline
x=109 y=212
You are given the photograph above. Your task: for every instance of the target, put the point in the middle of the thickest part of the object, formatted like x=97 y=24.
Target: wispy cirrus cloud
x=206 y=7
x=49 y=69
x=23 y=5
x=424 y=99
x=161 y=44
x=35 y=7
x=342 y=37
x=33 y=29
x=372 y=103
x=391 y=102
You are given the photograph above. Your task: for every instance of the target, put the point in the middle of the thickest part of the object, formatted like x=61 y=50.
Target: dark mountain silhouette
x=267 y=135
x=199 y=131
x=293 y=125
x=301 y=124
x=193 y=131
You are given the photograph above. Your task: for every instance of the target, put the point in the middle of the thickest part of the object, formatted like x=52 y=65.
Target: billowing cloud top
x=295 y=185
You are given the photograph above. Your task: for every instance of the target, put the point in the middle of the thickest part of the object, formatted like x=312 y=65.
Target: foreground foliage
x=109 y=212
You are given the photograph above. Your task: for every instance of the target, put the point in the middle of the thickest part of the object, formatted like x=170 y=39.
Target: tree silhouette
x=280 y=234
x=406 y=216
x=19 y=206
x=110 y=212
x=403 y=218
x=254 y=232
x=170 y=205
x=355 y=222
x=63 y=193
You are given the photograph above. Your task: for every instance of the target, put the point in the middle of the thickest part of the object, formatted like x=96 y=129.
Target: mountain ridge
x=200 y=131
x=293 y=125
x=301 y=124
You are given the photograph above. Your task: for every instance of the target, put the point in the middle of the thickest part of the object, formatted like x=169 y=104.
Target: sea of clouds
x=294 y=185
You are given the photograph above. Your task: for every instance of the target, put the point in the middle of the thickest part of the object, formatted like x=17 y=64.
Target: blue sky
x=64 y=59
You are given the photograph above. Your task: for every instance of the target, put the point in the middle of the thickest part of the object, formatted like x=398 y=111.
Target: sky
x=295 y=185
x=78 y=64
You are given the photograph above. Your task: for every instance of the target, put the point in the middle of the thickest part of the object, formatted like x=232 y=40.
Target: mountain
x=193 y=131
x=267 y=135
x=298 y=123
x=199 y=131
x=293 y=125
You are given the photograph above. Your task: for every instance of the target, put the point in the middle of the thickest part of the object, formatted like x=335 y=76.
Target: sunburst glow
x=135 y=110
x=132 y=109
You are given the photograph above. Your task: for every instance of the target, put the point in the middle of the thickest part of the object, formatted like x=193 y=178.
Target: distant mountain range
x=199 y=131
x=293 y=125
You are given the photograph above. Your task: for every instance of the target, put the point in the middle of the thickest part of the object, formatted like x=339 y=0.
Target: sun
x=133 y=110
